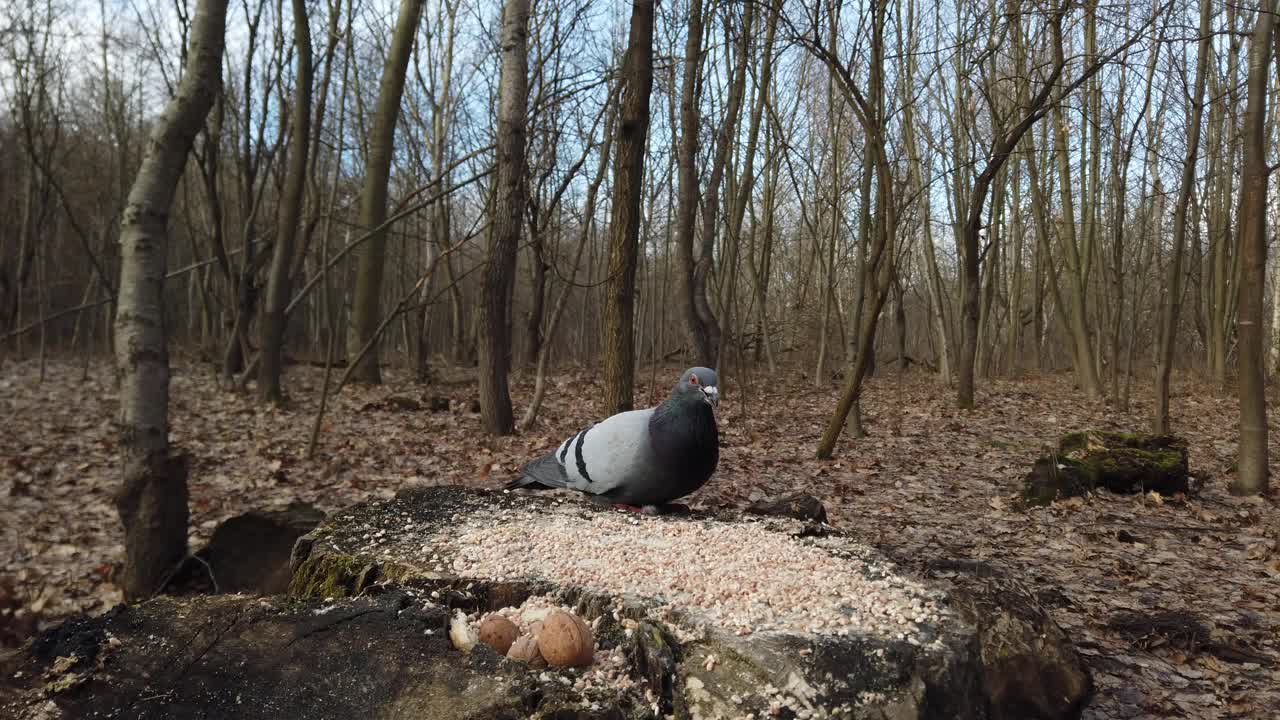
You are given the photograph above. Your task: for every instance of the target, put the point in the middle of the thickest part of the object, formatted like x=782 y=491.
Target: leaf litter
x=1173 y=601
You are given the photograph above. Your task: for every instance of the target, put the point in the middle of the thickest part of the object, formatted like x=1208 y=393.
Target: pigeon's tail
x=544 y=473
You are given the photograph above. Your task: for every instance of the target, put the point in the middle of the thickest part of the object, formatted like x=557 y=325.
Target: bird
x=639 y=460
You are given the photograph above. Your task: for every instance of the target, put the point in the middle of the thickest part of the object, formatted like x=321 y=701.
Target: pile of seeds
x=738 y=576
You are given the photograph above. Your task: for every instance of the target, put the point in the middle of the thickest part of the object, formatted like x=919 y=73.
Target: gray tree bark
x=494 y=330
x=1251 y=472
x=1173 y=290
x=366 y=301
x=279 y=285
x=152 y=500
x=687 y=193
x=624 y=220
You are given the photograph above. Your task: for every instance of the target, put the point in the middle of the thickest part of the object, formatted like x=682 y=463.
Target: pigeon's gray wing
x=545 y=472
x=609 y=455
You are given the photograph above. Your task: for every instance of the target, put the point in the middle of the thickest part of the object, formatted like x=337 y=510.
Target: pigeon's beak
x=711 y=395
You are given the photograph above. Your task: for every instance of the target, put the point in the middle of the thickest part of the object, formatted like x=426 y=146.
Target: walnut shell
x=525 y=649
x=566 y=640
x=498 y=633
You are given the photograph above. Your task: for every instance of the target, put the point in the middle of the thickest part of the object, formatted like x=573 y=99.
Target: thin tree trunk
x=709 y=331
x=152 y=500
x=1077 y=261
x=869 y=109
x=367 y=298
x=496 y=285
x=687 y=179
x=1251 y=474
x=1173 y=289
x=624 y=221
x=279 y=285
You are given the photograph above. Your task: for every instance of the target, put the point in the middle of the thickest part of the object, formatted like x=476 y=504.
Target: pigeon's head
x=698 y=383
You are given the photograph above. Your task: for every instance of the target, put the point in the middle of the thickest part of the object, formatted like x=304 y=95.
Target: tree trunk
x=1173 y=289
x=624 y=221
x=537 y=298
x=496 y=285
x=152 y=501
x=687 y=179
x=869 y=109
x=366 y=301
x=279 y=285
x=1251 y=473
x=1077 y=257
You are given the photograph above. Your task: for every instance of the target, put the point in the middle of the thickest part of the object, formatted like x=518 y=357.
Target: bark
x=1251 y=474
x=624 y=221
x=279 y=281
x=1013 y=360
x=1273 y=352
x=497 y=282
x=1173 y=289
x=1225 y=255
x=152 y=500
x=366 y=301
x=687 y=179
x=533 y=339
x=1077 y=265
x=1120 y=181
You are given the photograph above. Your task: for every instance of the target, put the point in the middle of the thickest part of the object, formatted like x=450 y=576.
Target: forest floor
x=929 y=480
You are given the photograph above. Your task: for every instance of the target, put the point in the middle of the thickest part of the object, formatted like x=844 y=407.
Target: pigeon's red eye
x=693 y=379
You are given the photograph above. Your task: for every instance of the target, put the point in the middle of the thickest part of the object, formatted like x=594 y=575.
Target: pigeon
x=639 y=460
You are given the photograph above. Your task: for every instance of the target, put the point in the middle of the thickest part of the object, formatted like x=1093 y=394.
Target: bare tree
x=1173 y=291
x=1009 y=132
x=494 y=330
x=1251 y=472
x=367 y=296
x=152 y=501
x=868 y=106
x=624 y=220
x=279 y=282
x=687 y=179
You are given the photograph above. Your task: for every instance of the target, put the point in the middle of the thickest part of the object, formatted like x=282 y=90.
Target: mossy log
x=1123 y=463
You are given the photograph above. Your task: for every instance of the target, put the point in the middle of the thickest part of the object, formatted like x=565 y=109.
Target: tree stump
x=1123 y=463
x=364 y=631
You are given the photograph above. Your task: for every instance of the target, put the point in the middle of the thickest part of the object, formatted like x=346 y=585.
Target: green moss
x=1126 y=462
x=326 y=574
x=330 y=575
x=1122 y=462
